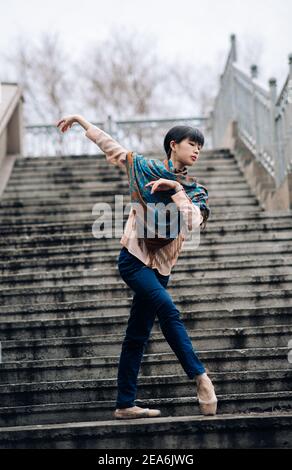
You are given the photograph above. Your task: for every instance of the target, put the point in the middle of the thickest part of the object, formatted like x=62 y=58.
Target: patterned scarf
x=141 y=171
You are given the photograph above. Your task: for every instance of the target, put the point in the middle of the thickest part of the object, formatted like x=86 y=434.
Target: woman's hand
x=162 y=185
x=66 y=122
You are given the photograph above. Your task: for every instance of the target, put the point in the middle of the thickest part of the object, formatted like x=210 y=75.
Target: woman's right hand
x=66 y=122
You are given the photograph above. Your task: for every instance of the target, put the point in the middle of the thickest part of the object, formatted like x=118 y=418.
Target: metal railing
x=141 y=136
x=264 y=122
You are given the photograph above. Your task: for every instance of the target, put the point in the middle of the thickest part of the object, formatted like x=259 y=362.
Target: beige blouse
x=164 y=258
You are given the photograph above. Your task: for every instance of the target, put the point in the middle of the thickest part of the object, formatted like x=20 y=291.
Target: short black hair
x=179 y=133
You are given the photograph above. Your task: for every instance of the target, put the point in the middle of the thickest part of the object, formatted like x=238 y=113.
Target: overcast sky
x=192 y=29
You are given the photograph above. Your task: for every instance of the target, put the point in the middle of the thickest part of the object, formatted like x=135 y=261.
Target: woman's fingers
x=154 y=184
x=158 y=184
x=64 y=124
x=60 y=122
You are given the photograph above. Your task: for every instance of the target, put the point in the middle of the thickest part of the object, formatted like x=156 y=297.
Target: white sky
x=192 y=29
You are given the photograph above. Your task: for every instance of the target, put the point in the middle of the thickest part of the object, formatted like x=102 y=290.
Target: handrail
x=145 y=135
x=8 y=103
x=264 y=122
x=11 y=99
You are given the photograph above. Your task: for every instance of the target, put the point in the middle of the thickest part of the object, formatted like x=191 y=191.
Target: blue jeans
x=150 y=299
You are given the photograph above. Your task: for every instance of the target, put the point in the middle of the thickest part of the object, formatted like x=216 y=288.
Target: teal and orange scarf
x=141 y=171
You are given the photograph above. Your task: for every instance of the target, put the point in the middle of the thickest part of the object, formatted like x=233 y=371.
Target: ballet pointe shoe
x=206 y=395
x=136 y=412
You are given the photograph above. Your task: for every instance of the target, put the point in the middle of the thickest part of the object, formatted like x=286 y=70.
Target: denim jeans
x=150 y=299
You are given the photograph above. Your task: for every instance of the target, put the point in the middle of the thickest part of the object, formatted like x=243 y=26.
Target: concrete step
x=104 y=367
x=246 y=204
x=234 y=235
x=84 y=196
x=103 y=170
x=181 y=405
x=84 y=242
x=253 y=218
x=100 y=180
x=96 y=177
x=100 y=345
x=85 y=319
x=68 y=209
x=87 y=171
x=10 y=246
x=103 y=174
x=59 y=190
x=100 y=176
x=220 y=224
x=78 y=201
x=77 y=204
x=214 y=184
x=104 y=290
x=225 y=431
x=186 y=269
x=99 y=159
x=121 y=306
x=162 y=387
x=91 y=276
x=90 y=258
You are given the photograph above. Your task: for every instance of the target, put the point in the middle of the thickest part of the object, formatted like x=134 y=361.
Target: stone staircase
x=64 y=311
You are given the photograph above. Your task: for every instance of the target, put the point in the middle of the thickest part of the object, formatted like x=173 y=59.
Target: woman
x=145 y=262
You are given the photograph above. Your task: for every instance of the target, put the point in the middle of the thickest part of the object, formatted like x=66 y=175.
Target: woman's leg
x=145 y=283
x=150 y=287
x=138 y=330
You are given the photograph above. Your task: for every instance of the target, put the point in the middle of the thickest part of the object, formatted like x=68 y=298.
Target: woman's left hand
x=162 y=185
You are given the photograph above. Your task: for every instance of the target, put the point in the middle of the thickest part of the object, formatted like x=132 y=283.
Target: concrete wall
x=260 y=181
x=11 y=130
x=3 y=146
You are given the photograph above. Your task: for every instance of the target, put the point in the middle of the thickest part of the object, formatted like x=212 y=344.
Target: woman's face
x=186 y=152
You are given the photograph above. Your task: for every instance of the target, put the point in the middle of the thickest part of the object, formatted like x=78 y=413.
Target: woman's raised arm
x=115 y=153
x=66 y=122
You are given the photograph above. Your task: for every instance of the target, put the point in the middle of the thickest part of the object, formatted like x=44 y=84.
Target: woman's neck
x=177 y=165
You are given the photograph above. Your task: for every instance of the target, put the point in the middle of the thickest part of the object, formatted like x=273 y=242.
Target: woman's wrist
x=82 y=121
x=178 y=187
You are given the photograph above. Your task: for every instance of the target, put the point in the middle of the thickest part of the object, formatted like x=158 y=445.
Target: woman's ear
x=172 y=145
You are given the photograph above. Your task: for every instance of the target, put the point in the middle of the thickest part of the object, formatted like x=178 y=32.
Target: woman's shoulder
x=142 y=159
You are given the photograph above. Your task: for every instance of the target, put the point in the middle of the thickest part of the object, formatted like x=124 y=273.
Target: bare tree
x=122 y=75
x=195 y=85
x=43 y=70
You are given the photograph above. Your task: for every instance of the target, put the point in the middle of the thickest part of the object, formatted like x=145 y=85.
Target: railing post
x=233 y=48
x=290 y=65
x=233 y=85
x=212 y=128
x=290 y=80
x=289 y=98
x=278 y=165
x=109 y=125
x=254 y=75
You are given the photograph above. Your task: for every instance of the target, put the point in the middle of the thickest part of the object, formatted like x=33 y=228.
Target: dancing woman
x=145 y=262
